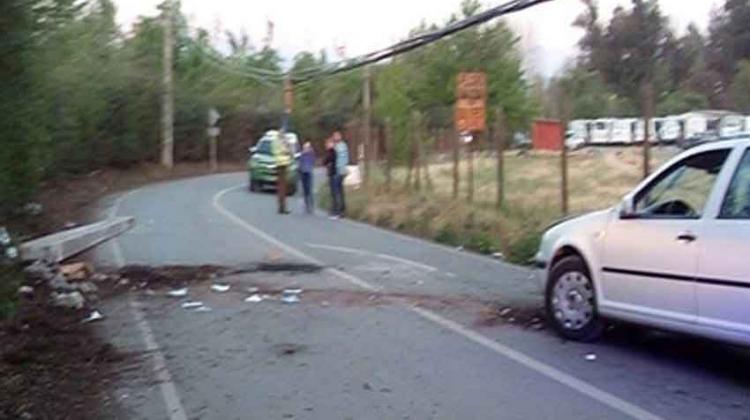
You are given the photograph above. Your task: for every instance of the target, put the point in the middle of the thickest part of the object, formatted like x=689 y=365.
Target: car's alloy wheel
x=571 y=301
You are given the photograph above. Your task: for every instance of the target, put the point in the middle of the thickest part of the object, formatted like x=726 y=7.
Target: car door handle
x=687 y=237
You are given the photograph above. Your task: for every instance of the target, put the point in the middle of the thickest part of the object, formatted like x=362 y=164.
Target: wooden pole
x=417 y=136
x=367 y=129
x=648 y=114
x=167 y=112
x=213 y=152
x=388 y=154
x=564 y=169
x=500 y=149
x=470 y=169
x=456 y=162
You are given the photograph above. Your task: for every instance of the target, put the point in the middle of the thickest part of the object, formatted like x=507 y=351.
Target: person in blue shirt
x=306 y=168
x=342 y=160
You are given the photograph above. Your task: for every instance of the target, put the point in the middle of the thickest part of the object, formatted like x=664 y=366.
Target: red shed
x=547 y=135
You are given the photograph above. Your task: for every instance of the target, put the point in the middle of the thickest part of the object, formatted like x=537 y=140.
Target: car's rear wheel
x=253 y=186
x=571 y=301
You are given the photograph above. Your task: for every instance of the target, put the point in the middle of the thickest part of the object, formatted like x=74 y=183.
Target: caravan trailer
x=731 y=126
x=577 y=134
x=601 y=131
x=671 y=129
x=696 y=125
x=622 y=131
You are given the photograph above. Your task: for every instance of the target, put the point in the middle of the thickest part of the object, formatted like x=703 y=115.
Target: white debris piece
x=221 y=288
x=25 y=290
x=203 y=309
x=253 y=290
x=95 y=316
x=178 y=293
x=11 y=252
x=73 y=300
x=256 y=298
x=591 y=357
x=498 y=256
x=192 y=305
x=86 y=287
x=291 y=295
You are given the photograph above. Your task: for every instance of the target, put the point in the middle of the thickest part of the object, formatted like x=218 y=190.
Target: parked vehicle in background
x=262 y=169
x=673 y=254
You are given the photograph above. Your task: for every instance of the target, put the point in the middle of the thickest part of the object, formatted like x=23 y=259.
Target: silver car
x=674 y=254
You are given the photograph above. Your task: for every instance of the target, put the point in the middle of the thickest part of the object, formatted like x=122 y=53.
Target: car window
x=683 y=190
x=264 y=147
x=737 y=201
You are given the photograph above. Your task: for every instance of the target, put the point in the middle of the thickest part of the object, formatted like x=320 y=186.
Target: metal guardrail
x=63 y=245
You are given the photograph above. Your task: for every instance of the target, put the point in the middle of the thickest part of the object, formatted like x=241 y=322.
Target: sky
x=547 y=38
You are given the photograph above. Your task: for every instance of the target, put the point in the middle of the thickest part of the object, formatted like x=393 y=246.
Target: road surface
x=390 y=327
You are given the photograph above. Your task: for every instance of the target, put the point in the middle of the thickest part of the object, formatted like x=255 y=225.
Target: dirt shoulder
x=68 y=201
x=51 y=364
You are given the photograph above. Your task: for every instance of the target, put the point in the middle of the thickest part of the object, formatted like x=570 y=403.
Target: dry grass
x=598 y=178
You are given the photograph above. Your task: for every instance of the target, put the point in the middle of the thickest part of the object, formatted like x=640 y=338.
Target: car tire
x=570 y=301
x=253 y=186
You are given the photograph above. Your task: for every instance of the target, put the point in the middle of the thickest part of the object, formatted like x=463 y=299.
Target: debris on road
x=203 y=309
x=95 y=316
x=220 y=288
x=506 y=312
x=498 y=256
x=192 y=305
x=86 y=287
x=60 y=283
x=256 y=298
x=72 y=300
x=591 y=357
x=178 y=293
x=253 y=290
x=76 y=271
x=25 y=290
x=291 y=295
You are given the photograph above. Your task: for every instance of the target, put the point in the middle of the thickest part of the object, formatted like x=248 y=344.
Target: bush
x=522 y=250
x=446 y=235
x=480 y=242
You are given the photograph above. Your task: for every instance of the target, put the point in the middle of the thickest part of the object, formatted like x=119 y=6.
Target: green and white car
x=262 y=168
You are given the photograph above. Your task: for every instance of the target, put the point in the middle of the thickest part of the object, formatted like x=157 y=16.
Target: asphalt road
x=390 y=328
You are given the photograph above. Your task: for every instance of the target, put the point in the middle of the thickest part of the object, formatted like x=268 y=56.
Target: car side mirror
x=627 y=208
x=253 y=150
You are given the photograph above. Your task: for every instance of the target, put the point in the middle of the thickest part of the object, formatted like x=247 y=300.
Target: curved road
x=390 y=327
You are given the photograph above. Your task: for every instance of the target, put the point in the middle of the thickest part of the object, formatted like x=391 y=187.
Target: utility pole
x=367 y=134
x=648 y=111
x=167 y=111
x=500 y=148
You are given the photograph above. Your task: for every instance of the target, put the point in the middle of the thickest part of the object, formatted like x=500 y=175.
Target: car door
x=650 y=258
x=723 y=284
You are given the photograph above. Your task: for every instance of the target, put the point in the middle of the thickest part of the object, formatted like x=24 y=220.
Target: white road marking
x=541 y=368
x=337 y=249
x=375 y=254
x=175 y=410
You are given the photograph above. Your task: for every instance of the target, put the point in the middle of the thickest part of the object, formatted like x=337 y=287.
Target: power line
x=427 y=38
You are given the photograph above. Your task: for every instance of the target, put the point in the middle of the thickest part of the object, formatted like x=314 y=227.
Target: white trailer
x=578 y=132
x=696 y=125
x=671 y=129
x=622 y=131
x=601 y=131
x=731 y=126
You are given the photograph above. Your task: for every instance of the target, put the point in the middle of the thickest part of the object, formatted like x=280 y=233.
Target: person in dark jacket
x=330 y=164
x=306 y=168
